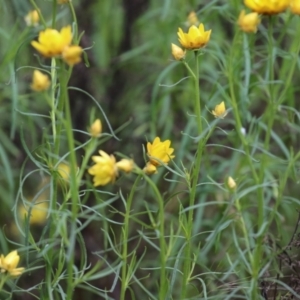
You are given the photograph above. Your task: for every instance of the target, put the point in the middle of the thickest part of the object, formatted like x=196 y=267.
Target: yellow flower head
x=192 y=19
x=125 y=165
x=231 y=183
x=40 y=81
x=9 y=264
x=220 y=111
x=32 y=18
x=177 y=52
x=52 y=42
x=38 y=213
x=295 y=7
x=159 y=152
x=248 y=22
x=267 y=7
x=150 y=169
x=196 y=37
x=96 y=128
x=72 y=55
x=104 y=170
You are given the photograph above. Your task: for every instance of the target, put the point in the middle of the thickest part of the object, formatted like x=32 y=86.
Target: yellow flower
x=32 y=18
x=38 y=213
x=295 y=7
x=72 y=55
x=9 y=263
x=96 y=128
x=104 y=170
x=40 y=81
x=125 y=165
x=248 y=22
x=64 y=171
x=192 y=19
x=51 y=42
x=177 y=52
x=231 y=183
x=196 y=37
x=220 y=111
x=267 y=7
x=149 y=169
x=159 y=153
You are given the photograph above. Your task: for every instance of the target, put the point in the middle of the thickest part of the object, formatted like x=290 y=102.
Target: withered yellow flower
x=72 y=55
x=52 y=42
x=192 y=19
x=105 y=170
x=32 y=18
x=267 y=7
x=125 y=165
x=159 y=152
x=96 y=128
x=295 y=7
x=177 y=52
x=220 y=110
x=40 y=81
x=248 y=22
x=231 y=183
x=196 y=37
x=8 y=264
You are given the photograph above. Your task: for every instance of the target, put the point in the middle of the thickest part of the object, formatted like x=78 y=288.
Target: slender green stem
x=194 y=179
x=124 y=282
x=162 y=243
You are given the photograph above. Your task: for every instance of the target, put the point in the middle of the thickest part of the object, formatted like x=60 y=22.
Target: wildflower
x=159 y=153
x=64 y=171
x=192 y=19
x=9 y=264
x=32 y=18
x=104 y=170
x=295 y=7
x=40 y=81
x=51 y=42
x=267 y=7
x=125 y=165
x=231 y=183
x=177 y=52
x=38 y=213
x=220 y=111
x=96 y=128
x=248 y=22
x=196 y=37
x=72 y=55
x=150 y=169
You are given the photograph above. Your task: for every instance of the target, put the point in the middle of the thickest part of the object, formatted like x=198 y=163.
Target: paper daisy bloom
x=32 y=18
x=248 y=22
x=40 y=81
x=125 y=165
x=96 y=128
x=52 y=42
x=196 y=37
x=295 y=7
x=177 y=52
x=231 y=183
x=8 y=264
x=220 y=111
x=267 y=7
x=105 y=170
x=72 y=55
x=159 y=153
x=192 y=19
